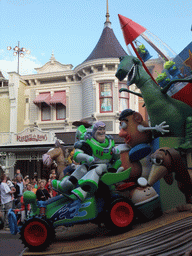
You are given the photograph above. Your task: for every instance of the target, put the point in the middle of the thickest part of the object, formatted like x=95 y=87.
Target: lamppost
x=19 y=52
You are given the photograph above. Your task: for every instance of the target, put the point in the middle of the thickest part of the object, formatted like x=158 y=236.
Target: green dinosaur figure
x=160 y=106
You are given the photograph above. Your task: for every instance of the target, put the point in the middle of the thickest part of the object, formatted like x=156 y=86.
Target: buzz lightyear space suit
x=95 y=157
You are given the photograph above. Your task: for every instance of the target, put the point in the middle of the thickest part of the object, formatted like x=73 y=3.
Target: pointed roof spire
x=107 y=22
x=108 y=46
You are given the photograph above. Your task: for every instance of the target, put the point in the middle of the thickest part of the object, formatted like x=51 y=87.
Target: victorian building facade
x=39 y=108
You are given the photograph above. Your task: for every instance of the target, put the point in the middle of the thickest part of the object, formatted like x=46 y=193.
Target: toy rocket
x=132 y=31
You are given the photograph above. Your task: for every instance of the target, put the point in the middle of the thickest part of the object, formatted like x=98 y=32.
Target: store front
x=24 y=151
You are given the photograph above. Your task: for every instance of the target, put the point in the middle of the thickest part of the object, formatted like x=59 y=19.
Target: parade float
x=124 y=198
x=171 y=102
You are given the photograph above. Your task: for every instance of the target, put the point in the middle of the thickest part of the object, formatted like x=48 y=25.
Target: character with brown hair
x=58 y=155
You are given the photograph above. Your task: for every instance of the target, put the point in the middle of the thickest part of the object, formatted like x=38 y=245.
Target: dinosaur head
x=132 y=68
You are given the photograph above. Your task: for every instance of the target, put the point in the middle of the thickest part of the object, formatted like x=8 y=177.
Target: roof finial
x=107 y=22
x=52 y=59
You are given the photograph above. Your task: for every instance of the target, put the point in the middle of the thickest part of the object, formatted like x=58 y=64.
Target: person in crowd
x=29 y=187
x=26 y=181
x=18 y=171
x=20 y=184
x=6 y=199
x=48 y=186
x=25 y=209
x=42 y=193
x=12 y=187
x=35 y=175
x=53 y=176
x=34 y=182
x=38 y=183
x=16 y=194
x=53 y=171
x=34 y=189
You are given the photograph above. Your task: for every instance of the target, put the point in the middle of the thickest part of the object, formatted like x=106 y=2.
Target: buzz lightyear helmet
x=96 y=126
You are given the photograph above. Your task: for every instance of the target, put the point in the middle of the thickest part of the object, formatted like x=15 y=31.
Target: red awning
x=44 y=97
x=59 y=97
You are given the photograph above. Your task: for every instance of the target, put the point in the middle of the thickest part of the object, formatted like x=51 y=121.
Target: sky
x=72 y=28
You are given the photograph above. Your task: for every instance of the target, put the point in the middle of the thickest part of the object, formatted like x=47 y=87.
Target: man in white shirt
x=6 y=199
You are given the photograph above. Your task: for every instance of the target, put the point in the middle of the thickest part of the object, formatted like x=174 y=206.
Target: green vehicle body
x=38 y=230
x=58 y=209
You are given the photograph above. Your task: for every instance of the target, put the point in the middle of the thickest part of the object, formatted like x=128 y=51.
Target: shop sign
x=33 y=135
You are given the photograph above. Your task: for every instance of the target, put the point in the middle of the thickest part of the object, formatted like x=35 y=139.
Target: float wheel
x=120 y=216
x=36 y=234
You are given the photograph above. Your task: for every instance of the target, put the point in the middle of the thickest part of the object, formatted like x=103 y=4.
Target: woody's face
x=100 y=134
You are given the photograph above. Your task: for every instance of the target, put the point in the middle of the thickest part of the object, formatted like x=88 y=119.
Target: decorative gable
x=53 y=66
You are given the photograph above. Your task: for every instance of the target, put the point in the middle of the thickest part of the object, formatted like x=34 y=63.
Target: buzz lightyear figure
x=97 y=154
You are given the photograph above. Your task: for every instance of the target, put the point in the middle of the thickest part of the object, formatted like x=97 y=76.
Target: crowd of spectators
x=11 y=191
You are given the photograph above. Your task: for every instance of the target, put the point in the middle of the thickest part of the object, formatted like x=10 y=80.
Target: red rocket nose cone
x=131 y=29
x=123 y=20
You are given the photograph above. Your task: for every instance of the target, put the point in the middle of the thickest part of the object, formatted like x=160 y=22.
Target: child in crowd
x=34 y=189
x=18 y=171
x=42 y=193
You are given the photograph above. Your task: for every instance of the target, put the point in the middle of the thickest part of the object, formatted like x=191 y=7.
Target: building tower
x=100 y=88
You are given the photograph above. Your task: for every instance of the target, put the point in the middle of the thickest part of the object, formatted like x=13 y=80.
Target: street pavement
x=10 y=244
